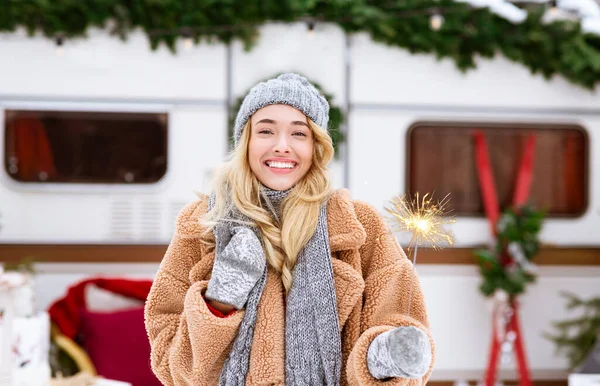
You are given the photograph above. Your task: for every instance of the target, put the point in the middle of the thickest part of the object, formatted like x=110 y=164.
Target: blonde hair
x=235 y=185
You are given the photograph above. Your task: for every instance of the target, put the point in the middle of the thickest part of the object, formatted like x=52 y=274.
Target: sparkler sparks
x=425 y=218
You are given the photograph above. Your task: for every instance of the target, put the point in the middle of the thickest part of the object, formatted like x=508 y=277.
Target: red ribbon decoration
x=486 y=181
x=492 y=210
x=523 y=184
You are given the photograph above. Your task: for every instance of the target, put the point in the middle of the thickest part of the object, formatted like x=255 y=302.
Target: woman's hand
x=402 y=352
x=236 y=269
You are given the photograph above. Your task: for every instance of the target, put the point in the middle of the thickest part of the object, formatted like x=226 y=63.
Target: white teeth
x=281 y=165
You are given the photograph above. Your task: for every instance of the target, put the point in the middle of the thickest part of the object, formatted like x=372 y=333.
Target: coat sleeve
x=188 y=343
x=387 y=273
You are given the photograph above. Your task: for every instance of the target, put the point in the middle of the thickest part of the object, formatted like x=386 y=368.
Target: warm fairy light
x=60 y=41
x=310 y=26
x=424 y=217
x=436 y=21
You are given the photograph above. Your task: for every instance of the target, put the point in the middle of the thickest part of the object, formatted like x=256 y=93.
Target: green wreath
x=508 y=265
x=336 y=116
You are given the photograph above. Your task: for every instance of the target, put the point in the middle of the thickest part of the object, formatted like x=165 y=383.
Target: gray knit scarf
x=312 y=332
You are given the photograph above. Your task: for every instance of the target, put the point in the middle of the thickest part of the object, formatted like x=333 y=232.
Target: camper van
x=81 y=200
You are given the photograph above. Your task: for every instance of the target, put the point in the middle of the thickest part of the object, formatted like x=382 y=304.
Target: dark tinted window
x=441 y=159
x=85 y=147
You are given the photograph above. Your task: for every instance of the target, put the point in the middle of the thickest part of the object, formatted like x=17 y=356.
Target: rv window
x=441 y=158
x=85 y=147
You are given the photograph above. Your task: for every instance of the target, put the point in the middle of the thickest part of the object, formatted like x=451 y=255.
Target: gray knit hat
x=289 y=89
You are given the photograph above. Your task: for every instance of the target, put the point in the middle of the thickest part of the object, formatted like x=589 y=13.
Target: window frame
x=508 y=124
x=77 y=187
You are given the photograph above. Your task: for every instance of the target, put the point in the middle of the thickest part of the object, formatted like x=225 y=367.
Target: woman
x=275 y=279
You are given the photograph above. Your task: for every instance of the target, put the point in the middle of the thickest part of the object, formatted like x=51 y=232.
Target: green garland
x=499 y=267
x=336 y=116
x=549 y=49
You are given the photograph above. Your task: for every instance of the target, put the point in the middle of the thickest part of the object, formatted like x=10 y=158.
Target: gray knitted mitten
x=402 y=352
x=237 y=269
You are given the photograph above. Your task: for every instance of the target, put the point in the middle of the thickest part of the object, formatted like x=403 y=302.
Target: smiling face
x=280 y=150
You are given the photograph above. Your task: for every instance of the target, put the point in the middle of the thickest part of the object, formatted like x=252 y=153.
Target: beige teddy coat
x=372 y=280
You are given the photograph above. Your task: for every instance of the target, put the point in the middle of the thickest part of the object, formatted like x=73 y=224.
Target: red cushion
x=118 y=345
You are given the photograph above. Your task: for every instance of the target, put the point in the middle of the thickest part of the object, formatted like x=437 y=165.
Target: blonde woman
x=276 y=279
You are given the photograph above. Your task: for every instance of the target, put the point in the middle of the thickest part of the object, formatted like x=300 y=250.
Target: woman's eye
x=264 y=131
x=300 y=134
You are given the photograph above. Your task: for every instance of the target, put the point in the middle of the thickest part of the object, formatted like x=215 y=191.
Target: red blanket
x=65 y=312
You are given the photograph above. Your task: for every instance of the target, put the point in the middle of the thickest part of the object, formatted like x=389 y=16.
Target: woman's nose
x=282 y=145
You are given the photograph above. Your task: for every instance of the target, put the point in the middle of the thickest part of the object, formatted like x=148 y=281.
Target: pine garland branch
x=577 y=322
x=576 y=337
x=559 y=48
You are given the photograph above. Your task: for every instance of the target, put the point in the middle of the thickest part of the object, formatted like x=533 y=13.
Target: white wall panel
x=104 y=67
x=283 y=48
x=381 y=74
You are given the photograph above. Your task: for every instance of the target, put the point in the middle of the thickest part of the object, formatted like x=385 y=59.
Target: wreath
x=508 y=265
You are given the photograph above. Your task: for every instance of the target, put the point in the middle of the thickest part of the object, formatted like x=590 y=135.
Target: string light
x=311 y=21
x=553 y=8
x=435 y=14
x=188 y=43
x=59 y=45
x=310 y=26
x=436 y=21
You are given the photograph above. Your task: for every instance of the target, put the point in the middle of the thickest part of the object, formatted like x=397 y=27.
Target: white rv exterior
x=386 y=89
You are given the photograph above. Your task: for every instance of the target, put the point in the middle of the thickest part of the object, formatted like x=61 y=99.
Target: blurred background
x=114 y=114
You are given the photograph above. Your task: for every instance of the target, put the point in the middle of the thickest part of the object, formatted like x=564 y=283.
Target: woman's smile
x=281 y=165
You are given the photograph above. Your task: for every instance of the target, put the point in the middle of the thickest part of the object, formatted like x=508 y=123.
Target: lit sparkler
x=425 y=218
